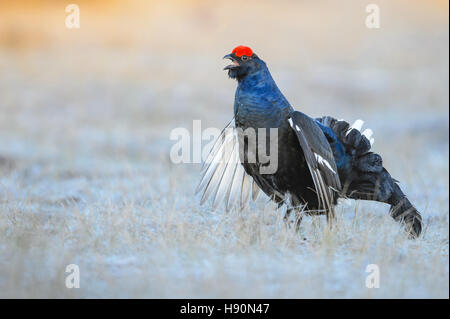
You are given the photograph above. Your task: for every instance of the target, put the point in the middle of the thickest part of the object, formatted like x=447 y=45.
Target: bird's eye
x=244 y=57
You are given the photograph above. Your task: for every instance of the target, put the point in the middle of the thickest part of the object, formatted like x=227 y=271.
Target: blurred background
x=85 y=114
x=138 y=68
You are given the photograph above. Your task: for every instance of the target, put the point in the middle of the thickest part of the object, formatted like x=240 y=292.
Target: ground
x=85 y=173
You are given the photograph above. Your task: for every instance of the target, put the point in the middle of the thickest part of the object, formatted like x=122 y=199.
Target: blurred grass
x=85 y=176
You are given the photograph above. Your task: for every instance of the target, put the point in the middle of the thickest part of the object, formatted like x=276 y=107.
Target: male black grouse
x=318 y=160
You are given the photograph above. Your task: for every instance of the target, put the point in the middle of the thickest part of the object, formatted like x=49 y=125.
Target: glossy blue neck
x=258 y=89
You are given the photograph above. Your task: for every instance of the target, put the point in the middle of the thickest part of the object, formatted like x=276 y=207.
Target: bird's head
x=244 y=62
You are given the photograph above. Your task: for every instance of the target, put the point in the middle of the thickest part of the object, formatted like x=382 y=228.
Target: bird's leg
x=287 y=215
x=331 y=218
x=298 y=220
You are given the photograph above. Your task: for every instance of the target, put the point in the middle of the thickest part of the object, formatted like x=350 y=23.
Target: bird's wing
x=223 y=176
x=319 y=157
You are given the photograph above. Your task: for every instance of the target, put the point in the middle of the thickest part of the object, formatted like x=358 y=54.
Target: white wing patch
x=324 y=162
x=223 y=176
x=367 y=132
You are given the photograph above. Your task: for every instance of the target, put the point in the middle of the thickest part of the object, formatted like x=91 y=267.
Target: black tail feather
x=367 y=179
x=403 y=211
x=383 y=188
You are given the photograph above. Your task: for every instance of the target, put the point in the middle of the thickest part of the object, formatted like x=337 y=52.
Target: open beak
x=234 y=63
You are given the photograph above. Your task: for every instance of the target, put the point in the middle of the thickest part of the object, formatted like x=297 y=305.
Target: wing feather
x=245 y=193
x=319 y=157
x=235 y=187
x=215 y=147
x=215 y=161
x=224 y=184
x=223 y=176
x=255 y=190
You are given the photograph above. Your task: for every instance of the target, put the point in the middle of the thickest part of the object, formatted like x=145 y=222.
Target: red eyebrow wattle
x=242 y=50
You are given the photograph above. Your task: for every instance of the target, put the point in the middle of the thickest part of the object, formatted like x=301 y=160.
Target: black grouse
x=317 y=160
